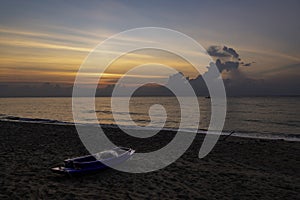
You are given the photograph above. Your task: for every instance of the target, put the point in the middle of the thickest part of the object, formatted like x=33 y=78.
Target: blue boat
x=95 y=162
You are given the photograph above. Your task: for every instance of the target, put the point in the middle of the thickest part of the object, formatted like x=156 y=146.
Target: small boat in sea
x=95 y=162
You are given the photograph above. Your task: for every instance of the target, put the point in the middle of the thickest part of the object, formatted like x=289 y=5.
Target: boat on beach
x=95 y=162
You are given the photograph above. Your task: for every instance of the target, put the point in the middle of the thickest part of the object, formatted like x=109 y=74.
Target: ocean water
x=260 y=117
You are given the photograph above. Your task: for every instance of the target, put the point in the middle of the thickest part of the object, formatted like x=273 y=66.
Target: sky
x=45 y=42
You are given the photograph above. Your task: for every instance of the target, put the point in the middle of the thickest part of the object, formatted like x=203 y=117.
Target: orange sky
x=48 y=43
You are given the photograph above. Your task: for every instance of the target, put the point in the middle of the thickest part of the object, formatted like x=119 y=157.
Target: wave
x=31 y=120
x=242 y=134
x=292 y=123
x=110 y=112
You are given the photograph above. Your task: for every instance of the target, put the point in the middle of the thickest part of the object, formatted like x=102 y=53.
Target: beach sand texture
x=237 y=168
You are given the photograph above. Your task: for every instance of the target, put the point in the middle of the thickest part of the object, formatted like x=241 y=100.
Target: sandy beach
x=237 y=168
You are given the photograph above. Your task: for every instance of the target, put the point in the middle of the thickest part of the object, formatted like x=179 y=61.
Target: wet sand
x=237 y=168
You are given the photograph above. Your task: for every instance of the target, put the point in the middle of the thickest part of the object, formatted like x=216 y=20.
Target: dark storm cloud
x=231 y=51
x=247 y=64
x=216 y=51
x=227 y=58
x=223 y=52
x=227 y=66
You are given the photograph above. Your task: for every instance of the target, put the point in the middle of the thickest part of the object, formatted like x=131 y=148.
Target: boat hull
x=77 y=166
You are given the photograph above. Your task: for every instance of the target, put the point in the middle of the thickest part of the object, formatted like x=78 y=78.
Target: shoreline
x=240 y=134
x=237 y=168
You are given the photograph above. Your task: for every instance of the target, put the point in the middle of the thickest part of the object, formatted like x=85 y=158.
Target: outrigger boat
x=95 y=162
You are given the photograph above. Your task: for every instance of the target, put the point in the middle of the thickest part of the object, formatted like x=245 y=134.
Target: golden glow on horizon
x=33 y=56
x=41 y=57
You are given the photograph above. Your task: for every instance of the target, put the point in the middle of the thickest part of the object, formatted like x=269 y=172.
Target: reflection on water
x=255 y=114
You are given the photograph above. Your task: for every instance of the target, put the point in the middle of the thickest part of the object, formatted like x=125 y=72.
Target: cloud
x=227 y=58
x=246 y=64
x=223 y=52
x=228 y=65
x=216 y=51
x=231 y=51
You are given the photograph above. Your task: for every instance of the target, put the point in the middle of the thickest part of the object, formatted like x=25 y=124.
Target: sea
x=254 y=117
